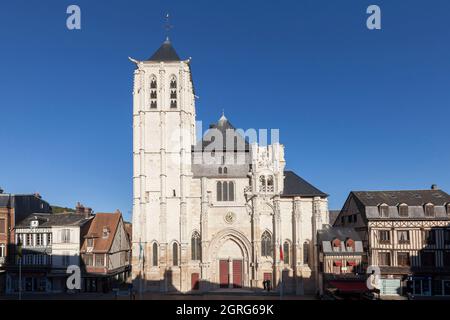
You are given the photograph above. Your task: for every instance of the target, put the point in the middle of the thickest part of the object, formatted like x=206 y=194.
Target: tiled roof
x=110 y=221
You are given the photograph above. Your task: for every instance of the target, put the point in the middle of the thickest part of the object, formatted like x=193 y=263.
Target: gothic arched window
x=270 y=184
x=196 y=246
x=306 y=252
x=153 y=93
x=225 y=170
x=266 y=244
x=155 y=254
x=225 y=191
x=220 y=170
x=286 y=252
x=173 y=92
x=175 y=254
x=262 y=184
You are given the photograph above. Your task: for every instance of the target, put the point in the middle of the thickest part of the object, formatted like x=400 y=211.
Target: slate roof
x=54 y=220
x=101 y=221
x=5 y=200
x=297 y=186
x=327 y=235
x=225 y=131
x=333 y=214
x=410 y=197
x=165 y=53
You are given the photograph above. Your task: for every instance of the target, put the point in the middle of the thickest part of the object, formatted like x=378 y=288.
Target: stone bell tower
x=163 y=133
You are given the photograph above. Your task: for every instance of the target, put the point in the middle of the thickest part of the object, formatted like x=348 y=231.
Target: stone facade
x=208 y=216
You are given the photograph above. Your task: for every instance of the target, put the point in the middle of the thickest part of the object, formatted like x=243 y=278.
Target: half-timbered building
x=407 y=235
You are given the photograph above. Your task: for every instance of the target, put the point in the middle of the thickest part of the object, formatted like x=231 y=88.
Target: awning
x=349 y=286
x=351 y=263
x=337 y=263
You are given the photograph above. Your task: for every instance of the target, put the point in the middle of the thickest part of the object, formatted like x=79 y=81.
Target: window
x=65 y=235
x=384 y=236
x=40 y=239
x=447 y=236
x=384 y=210
x=105 y=232
x=403 y=259
x=286 y=252
x=336 y=244
x=220 y=170
x=173 y=92
x=153 y=93
x=266 y=244
x=350 y=244
x=225 y=191
x=403 y=210
x=2 y=250
x=225 y=170
x=2 y=226
x=29 y=241
x=447 y=258
x=88 y=260
x=448 y=208
x=429 y=210
x=155 y=254
x=428 y=258
x=99 y=260
x=355 y=218
x=40 y=259
x=350 y=219
x=306 y=252
x=266 y=184
x=90 y=242
x=49 y=239
x=384 y=258
x=403 y=236
x=429 y=237
x=262 y=183
x=175 y=254
x=343 y=220
x=196 y=246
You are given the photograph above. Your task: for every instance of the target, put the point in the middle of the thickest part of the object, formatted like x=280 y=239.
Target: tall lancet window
x=175 y=254
x=196 y=246
x=153 y=93
x=173 y=92
x=155 y=254
x=266 y=244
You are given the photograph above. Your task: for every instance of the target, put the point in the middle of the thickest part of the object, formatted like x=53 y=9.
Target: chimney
x=434 y=187
x=81 y=209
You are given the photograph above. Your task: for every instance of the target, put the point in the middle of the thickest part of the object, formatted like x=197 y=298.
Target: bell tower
x=163 y=133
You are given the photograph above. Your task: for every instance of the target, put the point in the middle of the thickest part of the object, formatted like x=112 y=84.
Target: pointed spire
x=165 y=53
x=222 y=119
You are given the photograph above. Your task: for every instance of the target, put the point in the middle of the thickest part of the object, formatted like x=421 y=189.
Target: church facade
x=218 y=212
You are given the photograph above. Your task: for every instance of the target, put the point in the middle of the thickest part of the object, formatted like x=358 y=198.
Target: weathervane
x=167 y=25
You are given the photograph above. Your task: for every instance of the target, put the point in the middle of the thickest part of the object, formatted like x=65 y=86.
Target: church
x=215 y=212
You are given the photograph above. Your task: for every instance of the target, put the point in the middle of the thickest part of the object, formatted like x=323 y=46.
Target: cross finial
x=167 y=26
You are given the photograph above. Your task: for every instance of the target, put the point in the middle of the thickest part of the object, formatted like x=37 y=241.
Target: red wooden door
x=237 y=273
x=194 y=281
x=223 y=273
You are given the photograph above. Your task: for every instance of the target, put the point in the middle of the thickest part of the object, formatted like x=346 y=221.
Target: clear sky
x=356 y=109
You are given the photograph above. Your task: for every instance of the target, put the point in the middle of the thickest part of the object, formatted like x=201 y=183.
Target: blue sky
x=356 y=109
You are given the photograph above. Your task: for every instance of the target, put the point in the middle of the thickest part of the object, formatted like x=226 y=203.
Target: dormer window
x=90 y=242
x=403 y=210
x=429 y=210
x=336 y=243
x=105 y=232
x=383 y=210
x=350 y=244
x=448 y=208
